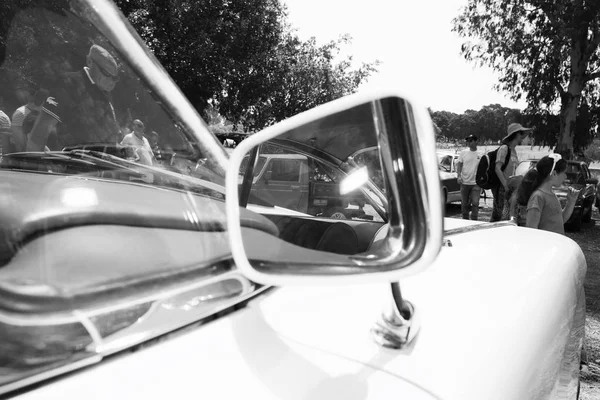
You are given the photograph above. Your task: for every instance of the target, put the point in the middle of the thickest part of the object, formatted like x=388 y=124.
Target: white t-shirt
x=141 y=145
x=470 y=161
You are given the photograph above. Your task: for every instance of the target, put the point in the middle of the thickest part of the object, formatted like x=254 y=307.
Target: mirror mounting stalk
x=398 y=325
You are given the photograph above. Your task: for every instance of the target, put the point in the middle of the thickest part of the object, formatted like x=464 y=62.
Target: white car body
x=314 y=342
x=499 y=313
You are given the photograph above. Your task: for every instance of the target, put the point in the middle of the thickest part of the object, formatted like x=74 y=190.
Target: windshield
x=72 y=104
x=112 y=216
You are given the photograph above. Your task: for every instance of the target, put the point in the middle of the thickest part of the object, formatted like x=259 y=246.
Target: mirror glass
x=321 y=184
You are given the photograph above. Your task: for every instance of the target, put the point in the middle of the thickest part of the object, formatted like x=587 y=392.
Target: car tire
x=587 y=211
x=336 y=213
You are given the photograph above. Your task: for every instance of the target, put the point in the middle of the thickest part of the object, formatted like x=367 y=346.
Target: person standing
x=543 y=207
x=466 y=168
x=86 y=104
x=138 y=141
x=34 y=105
x=506 y=168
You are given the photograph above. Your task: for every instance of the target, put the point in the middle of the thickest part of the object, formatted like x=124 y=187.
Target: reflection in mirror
x=352 y=193
x=322 y=183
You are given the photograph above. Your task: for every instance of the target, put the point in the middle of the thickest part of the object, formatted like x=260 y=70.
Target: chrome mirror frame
x=415 y=211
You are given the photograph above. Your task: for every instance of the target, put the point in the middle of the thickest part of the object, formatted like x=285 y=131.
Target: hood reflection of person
x=102 y=68
x=45 y=124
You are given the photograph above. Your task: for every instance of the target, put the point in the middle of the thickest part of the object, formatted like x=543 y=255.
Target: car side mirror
x=311 y=248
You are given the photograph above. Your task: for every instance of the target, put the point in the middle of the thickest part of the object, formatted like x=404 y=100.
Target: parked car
x=578 y=177
x=595 y=173
x=184 y=287
x=300 y=183
x=448 y=176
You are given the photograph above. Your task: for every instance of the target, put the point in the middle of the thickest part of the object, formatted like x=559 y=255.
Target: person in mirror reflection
x=466 y=168
x=515 y=135
x=543 y=207
x=43 y=124
x=138 y=141
x=86 y=103
x=33 y=106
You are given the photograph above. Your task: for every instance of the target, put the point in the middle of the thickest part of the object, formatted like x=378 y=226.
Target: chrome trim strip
x=478 y=227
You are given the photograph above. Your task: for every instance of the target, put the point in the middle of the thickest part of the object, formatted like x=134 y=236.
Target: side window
x=285 y=170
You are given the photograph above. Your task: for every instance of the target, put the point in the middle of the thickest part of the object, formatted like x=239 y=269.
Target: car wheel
x=587 y=211
x=336 y=214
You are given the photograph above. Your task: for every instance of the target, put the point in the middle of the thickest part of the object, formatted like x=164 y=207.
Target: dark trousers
x=470 y=201
x=499 y=200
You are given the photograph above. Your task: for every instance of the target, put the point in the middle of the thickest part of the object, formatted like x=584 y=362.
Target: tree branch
x=558 y=87
x=546 y=8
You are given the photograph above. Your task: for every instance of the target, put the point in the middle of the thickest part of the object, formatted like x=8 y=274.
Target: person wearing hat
x=515 y=133
x=43 y=125
x=86 y=104
x=466 y=168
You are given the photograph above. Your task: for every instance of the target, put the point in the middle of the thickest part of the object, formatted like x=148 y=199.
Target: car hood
x=471 y=304
x=314 y=342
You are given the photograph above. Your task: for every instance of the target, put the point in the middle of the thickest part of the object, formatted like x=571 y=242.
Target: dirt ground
x=589 y=241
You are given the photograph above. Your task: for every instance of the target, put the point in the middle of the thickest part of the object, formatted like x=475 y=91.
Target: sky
x=414 y=42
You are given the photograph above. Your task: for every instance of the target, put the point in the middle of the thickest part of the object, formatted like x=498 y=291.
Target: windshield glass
x=112 y=194
x=72 y=104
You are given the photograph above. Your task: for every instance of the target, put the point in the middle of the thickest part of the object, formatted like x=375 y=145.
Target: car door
x=281 y=182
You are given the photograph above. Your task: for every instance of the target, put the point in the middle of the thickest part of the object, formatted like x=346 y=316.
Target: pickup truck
x=278 y=178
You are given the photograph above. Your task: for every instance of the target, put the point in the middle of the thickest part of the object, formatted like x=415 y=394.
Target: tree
x=489 y=123
x=302 y=75
x=242 y=57
x=211 y=48
x=545 y=50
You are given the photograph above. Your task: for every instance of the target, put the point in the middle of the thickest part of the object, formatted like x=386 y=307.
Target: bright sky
x=414 y=42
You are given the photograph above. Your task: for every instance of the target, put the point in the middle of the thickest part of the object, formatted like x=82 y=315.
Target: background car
x=578 y=177
x=448 y=176
x=595 y=173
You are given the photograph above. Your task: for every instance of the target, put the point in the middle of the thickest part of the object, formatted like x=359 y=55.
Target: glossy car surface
x=117 y=279
x=578 y=177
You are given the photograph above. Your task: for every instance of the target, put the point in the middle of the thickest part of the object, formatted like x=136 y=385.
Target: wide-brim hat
x=513 y=129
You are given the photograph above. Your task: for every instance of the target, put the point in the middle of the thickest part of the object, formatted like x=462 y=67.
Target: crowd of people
x=85 y=108
x=528 y=199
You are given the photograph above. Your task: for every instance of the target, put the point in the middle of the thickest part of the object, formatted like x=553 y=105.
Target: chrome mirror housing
x=353 y=191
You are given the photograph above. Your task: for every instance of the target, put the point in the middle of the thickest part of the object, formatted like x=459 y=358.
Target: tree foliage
x=488 y=124
x=544 y=51
x=242 y=57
